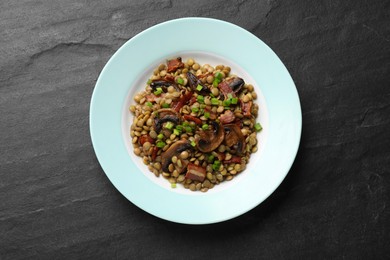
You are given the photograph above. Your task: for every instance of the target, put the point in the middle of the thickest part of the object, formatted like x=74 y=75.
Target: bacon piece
x=154 y=153
x=145 y=138
x=221 y=156
x=192 y=101
x=182 y=101
x=234 y=159
x=192 y=118
x=246 y=108
x=169 y=78
x=175 y=64
x=227 y=117
x=226 y=89
x=195 y=172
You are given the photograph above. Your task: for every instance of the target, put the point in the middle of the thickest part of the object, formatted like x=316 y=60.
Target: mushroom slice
x=209 y=140
x=234 y=138
x=164 y=115
x=194 y=83
x=163 y=84
x=174 y=149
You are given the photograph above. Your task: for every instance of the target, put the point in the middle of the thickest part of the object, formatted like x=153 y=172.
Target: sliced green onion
x=216 y=165
x=188 y=129
x=234 y=101
x=216 y=82
x=176 y=132
x=199 y=87
x=160 y=136
x=149 y=81
x=185 y=123
x=205 y=126
x=226 y=103
x=195 y=110
x=160 y=144
x=158 y=91
x=211 y=158
x=173 y=185
x=200 y=99
x=165 y=105
x=202 y=106
x=214 y=101
x=168 y=125
x=258 y=127
x=149 y=104
x=179 y=128
x=193 y=143
x=230 y=96
x=207 y=115
x=180 y=81
x=218 y=75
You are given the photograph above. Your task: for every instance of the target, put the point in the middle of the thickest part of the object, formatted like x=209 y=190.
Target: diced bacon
x=145 y=138
x=246 y=108
x=175 y=64
x=154 y=153
x=182 y=101
x=192 y=118
x=226 y=89
x=169 y=78
x=227 y=117
x=221 y=156
x=192 y=101
x=234 y=159
x=195 y=172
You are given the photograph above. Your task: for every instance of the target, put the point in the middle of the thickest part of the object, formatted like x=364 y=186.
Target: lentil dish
x=195 y=124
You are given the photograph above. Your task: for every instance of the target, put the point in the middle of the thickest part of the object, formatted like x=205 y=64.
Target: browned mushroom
x=194 y=82
x=163 y=84
x=234 y=138
x=231 y=86
x=174 y=149
x=164 y=115
x=236 y=84
x=209 y=140
x=175 y=64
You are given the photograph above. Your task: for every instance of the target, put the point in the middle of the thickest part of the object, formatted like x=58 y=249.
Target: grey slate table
x=56 y=202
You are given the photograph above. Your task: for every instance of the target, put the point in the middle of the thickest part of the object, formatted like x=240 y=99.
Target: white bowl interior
x=202 y=58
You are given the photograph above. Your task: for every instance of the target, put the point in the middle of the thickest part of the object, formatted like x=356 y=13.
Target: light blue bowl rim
x=203 y=35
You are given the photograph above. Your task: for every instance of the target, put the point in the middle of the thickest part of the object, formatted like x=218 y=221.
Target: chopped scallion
x=173 y=185
x=215 y=101
x=193 y=143
x=218 y=75
x=149 y=104
x=258 y=127
x=160 y=144
x=234 y=101
x=200 y=99
x=205 y=126
x=199 y=87
x=207 y=115
x=195 y=109
x=168 y=125
x=165 y=105
x=180 y=81
x=226 y=103
x=176 y=132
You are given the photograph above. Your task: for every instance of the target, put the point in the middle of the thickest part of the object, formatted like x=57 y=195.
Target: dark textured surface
x=57 y=203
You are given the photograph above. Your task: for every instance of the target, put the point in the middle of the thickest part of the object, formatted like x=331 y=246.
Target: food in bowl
x=195 y=124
